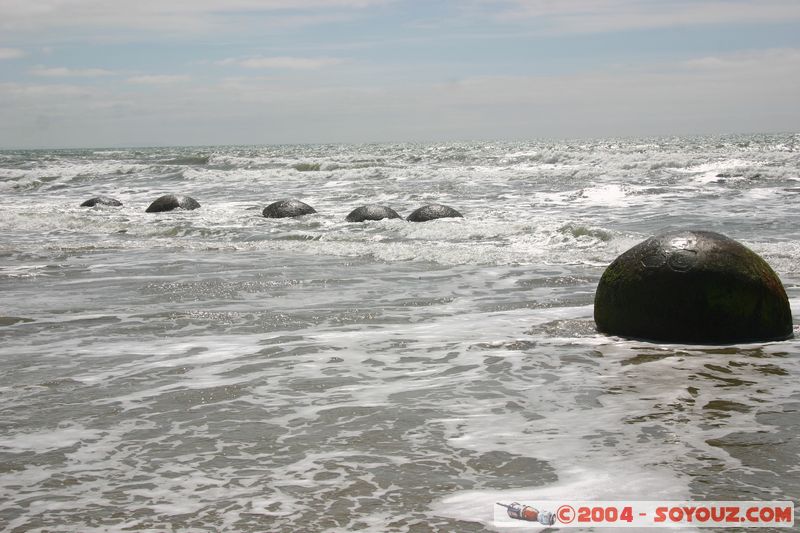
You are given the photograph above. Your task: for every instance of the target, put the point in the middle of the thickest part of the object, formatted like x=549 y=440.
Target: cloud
x=36 y=93
x=10 y=53
x=775 y=58
x=754 y=92
x=158 y=79
x=292 y=63
x=177 y=16
x=743 y=92
x=64 y=72
x=589 y=16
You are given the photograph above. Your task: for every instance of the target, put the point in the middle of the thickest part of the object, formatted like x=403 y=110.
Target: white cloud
x=10 y=53
x=755 y=92
x=612 y=15
x=158 y=79
x=292 y=63
x=775 y=58
x=750 y=92
x=64 y=72
x=34 y=92
x=176 y=15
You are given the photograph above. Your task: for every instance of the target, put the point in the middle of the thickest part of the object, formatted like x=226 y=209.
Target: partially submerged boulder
x=168 y=202
x=102 y=200
x=371 y=212
x=692 y=287
x=432 y=212
x=287 y=208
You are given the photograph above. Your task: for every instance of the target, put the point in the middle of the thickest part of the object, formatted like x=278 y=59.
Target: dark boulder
x=371 y=212
x=287 y=208
x=102 y=200
x=168 y=202
x=431 y=212
x=692 y=287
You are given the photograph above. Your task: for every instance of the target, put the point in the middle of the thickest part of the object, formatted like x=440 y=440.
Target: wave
x=354 y=164
x=579 y=230
x=188 y=160
x=307 y=167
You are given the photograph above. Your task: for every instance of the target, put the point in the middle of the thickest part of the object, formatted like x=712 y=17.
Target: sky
x=106 y=73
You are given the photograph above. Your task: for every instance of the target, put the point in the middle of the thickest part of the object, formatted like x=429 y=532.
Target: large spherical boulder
x=287 y=208
x=371 y=212
x=168 y=202
x=431 y=212
x=102 y=200
x=693 y=287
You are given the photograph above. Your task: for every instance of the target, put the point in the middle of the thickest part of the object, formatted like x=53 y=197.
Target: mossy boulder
x=693 y=287
x=432 y=212
x=371 y=212
x=103 y=201
x=168 y=202
x=287 y=208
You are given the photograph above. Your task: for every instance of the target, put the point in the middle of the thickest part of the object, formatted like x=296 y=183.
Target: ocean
x=215 y=370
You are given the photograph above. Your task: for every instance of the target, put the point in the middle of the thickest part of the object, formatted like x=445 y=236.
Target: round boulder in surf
x=287 y=209
x=168 y=202
x=693 y=287
x=432 y=212
x=105 y=201
x=371 y=212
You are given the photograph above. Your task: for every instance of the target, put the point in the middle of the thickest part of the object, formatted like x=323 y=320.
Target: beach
x=215 y=370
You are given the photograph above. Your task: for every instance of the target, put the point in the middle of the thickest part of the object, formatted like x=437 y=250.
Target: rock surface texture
x=692 y=287
x=432 y=212
x=287 y=208
x=371 y=212
x=102 y=200
x=168 y=202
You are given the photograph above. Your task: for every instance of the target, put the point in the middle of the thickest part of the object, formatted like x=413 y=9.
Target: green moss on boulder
x=694 y=287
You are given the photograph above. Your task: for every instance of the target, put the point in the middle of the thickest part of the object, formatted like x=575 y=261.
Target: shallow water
x=214 y=370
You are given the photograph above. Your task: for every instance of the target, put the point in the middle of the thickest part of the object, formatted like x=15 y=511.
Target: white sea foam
x=217 y=370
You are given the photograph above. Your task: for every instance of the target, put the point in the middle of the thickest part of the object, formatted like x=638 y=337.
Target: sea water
x=214 y=370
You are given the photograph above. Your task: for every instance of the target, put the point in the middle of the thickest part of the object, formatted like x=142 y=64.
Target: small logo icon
x=565 y=514
x=529 y=514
